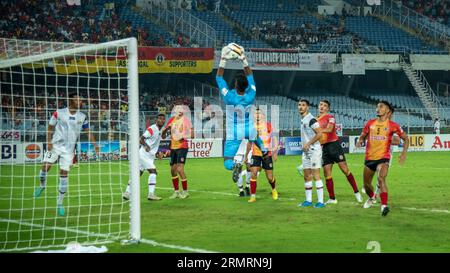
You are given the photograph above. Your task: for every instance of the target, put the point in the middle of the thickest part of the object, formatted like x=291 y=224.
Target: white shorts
x=312 y=159
x=65 y=159
x=240 y=154
x=146 y=160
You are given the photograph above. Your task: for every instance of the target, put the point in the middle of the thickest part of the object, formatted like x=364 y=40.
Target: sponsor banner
x=416 y=143
x=11 y=153
x=285 y=60
x=205 y=148
x=9 y=135
x=353 y=149
x=123 y=150
x=150 y=60
x=353 y=65
x=339 y=129
x=198 y=148
x=164 y=147
x=293 y=145
x=109 y=150
x=437 y=142
x=33 y=152
x=345 y=144
x=428 y=143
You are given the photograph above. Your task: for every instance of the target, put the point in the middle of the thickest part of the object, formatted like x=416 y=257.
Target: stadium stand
x=438 y=10
x=387 y=37
x=89 y=23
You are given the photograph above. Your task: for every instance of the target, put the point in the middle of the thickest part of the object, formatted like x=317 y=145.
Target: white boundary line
x=145 y=241
x=293 y=199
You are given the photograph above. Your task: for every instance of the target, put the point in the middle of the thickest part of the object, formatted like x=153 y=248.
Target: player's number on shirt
x=374 y=246
x=378 y=130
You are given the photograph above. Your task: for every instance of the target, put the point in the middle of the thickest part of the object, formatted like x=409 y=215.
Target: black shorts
x=178 y=156
x=373 y=164
x=332 y=152
x=259 y=161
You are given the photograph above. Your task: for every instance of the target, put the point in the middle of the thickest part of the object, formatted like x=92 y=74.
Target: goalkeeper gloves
x=232 y=51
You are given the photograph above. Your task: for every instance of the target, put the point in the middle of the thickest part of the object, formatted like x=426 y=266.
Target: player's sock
x=273 y=183
x=330 y=187
x=319 y=189
x=308 y=191
x=239 y=182
x=128 y=187
x=352 y=182
x=151 y=183
x=184 y=184
x=63 y=181
x=377 y=189
x=253 y=187
x=175 y=183
x=370 y=193
x=384 y=198
x=43 y=178
x=248 y=175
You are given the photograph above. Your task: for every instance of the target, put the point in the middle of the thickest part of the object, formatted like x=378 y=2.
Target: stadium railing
x=411 y=19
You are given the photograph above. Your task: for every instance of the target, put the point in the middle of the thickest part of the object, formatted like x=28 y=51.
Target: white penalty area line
x=293 y=199
x=100 y=235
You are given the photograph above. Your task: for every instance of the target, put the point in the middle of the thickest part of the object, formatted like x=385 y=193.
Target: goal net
x=39 y=82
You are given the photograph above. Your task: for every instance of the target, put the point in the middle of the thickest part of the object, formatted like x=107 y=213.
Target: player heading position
x=312 y=154
x=181 y=129
x=150 y=140
x=378 y=133
x=265 y=132
x=63 y=131
x=243 y=95
x=332 y=152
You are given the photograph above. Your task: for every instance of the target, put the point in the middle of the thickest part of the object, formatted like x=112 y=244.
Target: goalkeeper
x=243 y=97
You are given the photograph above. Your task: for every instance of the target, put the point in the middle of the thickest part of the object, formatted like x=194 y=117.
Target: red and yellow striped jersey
x=323 y=122
x=180 y=131
x=265 y=133
x=379 y=138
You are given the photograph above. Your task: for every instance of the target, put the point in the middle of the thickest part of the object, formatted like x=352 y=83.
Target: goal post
x=36 y=78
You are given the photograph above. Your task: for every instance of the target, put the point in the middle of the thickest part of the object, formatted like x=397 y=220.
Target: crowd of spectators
x=438 y=10
x=57 y=21
x=30 y=112
x=279 y=35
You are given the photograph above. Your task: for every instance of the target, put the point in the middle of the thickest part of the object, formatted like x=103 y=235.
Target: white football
x=233 y=51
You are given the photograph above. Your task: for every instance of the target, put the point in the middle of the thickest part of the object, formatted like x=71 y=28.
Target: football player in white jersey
x=63 y=131
x=312 y=154
x=244 y=156
x=150 y=140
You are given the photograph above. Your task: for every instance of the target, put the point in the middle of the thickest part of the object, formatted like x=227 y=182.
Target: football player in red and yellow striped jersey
x=258 y=161
x=181 y=129
x=379 y=133
x=332 y=152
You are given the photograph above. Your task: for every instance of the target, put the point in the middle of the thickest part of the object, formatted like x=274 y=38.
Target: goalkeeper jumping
x=243 y=97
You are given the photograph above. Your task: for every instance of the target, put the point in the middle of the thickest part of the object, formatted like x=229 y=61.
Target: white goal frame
x=133 y=110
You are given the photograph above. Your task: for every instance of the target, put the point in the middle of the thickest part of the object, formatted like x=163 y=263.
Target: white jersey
x=152 y=137
x=67 y=129
x=308 y=124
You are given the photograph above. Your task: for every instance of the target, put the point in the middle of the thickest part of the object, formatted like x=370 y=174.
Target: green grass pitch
x=214 y=218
